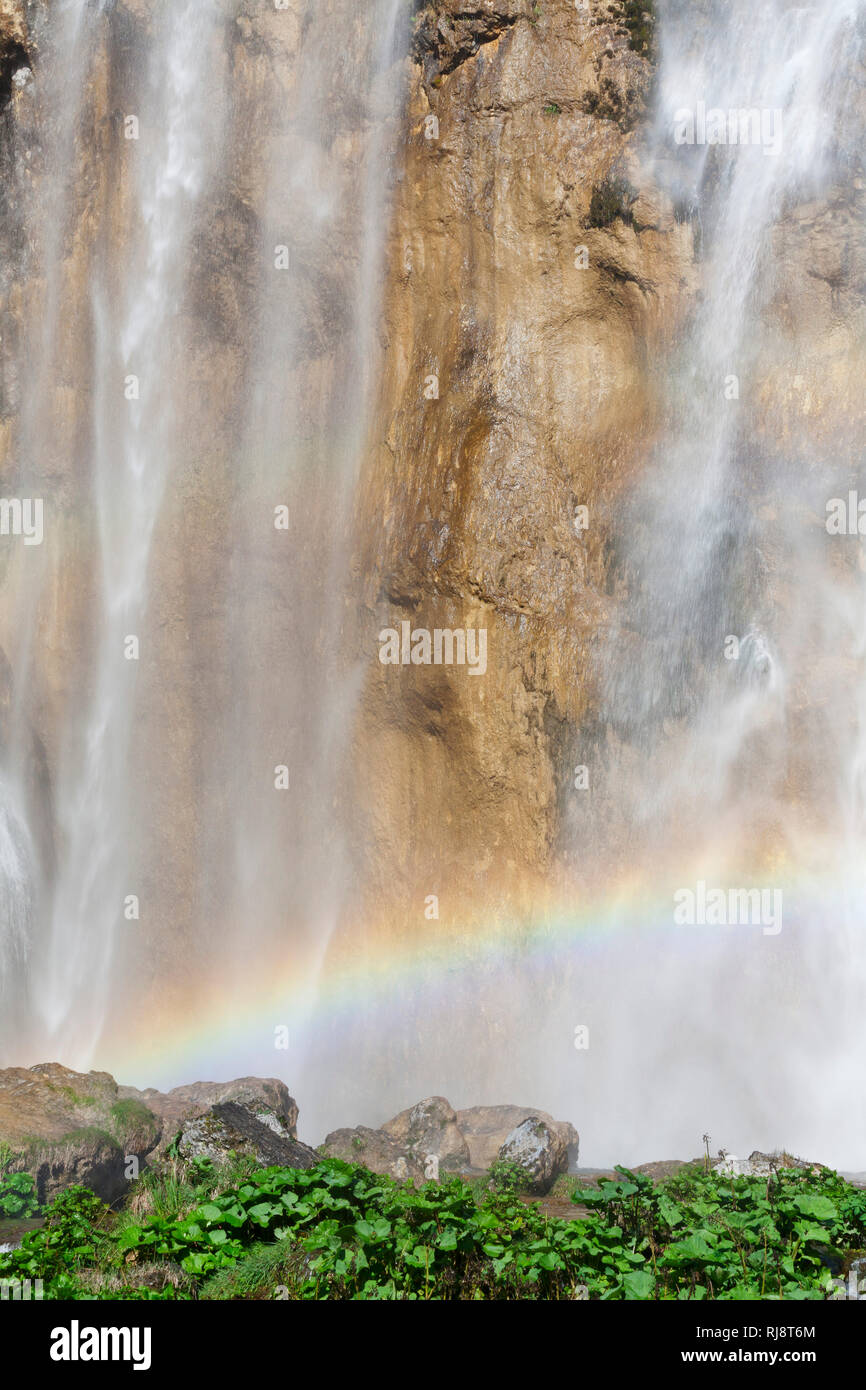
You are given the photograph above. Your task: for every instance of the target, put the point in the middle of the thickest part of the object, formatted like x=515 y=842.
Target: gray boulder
x=541 y=1152
x=376 y=1150
x=267 y=1097
x=430 y=1130
x=234 y=1128
x=486 y=1128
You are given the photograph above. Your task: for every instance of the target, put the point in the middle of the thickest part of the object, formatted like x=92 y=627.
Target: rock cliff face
x=538 y=274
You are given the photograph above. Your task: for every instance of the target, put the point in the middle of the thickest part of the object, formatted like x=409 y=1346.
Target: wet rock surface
x=539 y=1151
x=467 y=504
x=231 y=1128
x=447 y=32
x=486 y=1128
x=268 y=1099
x=67 y=1127
x=431 y=1137
x=377 y=1150
x=429 y=1129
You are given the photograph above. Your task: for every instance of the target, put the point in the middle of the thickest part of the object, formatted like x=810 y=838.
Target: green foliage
x=66 y=1242
x=18 y=1196
x=507 y=1179
x=132 y=1114
x=639 y=18
x=706 y=1235
x=265 y=1272
x=341 y=1232
x=612 y=198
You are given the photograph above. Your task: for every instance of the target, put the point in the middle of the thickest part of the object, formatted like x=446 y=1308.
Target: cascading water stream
x=22 y=867
x=327 y=169
x=17 y=896
x=136 y=360
x=778 y=60
x=274 y=655
x=707 y=542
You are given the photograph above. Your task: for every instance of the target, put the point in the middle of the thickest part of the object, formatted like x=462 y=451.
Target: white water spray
x=137 y=358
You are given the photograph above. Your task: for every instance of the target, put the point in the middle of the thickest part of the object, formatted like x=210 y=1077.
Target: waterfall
x=136 y=357
x=736 y=593
x=17 y=897
x=327 y=170
x=206 y=230
x=38 y=220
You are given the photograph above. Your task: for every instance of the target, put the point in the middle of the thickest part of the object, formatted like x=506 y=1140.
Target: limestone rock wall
x=539 y=274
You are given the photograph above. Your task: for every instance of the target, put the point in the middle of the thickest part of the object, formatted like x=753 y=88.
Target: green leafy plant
x=18 y=1197
x=338 y=1231
x=67 y=1241
x=507 y=1179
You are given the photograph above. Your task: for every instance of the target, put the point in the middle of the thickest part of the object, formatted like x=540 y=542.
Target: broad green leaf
x=639 y=1284
x=816 y=1206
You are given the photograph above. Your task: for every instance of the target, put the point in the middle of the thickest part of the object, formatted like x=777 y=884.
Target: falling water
x=136 y=349
x=327 y=170
x=41 y=220
x=17 y=895
x=735 y=746
x=168 y=840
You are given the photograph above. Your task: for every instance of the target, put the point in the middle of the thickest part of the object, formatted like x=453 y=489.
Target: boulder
x=233 y=1127
x=430 y=1129
x=66 y=1127
x=486 y=1128
x=539 y=1150
x=464 y=1141
x=376 y=1150
x=269 y=1099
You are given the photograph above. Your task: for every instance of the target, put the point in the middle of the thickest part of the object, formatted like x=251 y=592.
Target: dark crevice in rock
x=613 y=198
x=13 y=57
